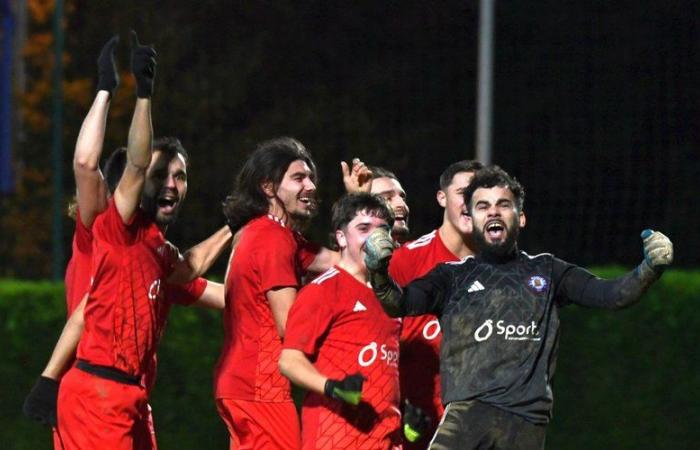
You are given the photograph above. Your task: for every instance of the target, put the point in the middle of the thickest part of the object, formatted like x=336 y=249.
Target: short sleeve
x=275 y=260
x=112 y=229
x=308 y=321
x=82 y=236
x=186 y=294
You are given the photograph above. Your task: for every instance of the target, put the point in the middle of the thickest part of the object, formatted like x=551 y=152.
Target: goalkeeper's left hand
x=379 y=247
x=658 y=250
x=415 y=422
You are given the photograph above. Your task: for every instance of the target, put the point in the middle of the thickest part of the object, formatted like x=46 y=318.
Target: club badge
x=537 y=283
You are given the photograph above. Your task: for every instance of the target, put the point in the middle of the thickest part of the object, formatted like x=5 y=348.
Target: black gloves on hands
x=107 y=76
x=415 y=422
x=143 y=66
x=349 y=389
x=40 y=404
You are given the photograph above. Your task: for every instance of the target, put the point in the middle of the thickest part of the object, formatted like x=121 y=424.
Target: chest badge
x=537 y=283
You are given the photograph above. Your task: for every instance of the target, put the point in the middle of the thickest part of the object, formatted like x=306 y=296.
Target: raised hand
x=143 y=66
x=378 y=249
x=658 y=249
x=107 y=76
x=358 y=178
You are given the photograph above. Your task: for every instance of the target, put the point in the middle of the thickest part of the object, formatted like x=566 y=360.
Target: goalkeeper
x=500 y=320
x=338 y=323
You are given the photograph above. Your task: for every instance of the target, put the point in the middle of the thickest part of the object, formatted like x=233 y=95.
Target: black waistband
x=109 y=373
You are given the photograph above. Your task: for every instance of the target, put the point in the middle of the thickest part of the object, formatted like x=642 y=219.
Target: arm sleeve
x=113 y=230
x=82 y=235
x=579 y=286
x=276 y=261
x=308 y=322
x=427 y=294
x=186 y=294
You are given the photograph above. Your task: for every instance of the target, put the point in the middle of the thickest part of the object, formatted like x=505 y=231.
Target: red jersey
x=78 y=270
x=340 y=325
x=269 y=255
x=185 y=294
x=126 y=308
x=419 y=370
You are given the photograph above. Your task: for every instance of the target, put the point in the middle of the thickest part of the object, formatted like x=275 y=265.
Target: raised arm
x=89 y=182
x=127 y=196
x=421 y=296
x=197 y=260
x=583 y=288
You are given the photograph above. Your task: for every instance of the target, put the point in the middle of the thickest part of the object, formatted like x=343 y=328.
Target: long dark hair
x=268 y=163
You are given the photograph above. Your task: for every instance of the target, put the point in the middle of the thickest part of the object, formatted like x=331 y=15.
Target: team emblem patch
x=537 y=283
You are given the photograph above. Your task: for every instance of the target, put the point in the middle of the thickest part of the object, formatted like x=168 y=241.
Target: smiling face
x=165 y=187
x=452 y=199
x=351 y=238
x=391 y=190
x=496 y=220
x=295 y=197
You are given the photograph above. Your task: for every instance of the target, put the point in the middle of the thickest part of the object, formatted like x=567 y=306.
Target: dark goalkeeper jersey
x=500 y=326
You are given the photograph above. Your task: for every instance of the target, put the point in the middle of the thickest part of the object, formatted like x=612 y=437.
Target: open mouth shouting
x=167 y=203
x=495 y=230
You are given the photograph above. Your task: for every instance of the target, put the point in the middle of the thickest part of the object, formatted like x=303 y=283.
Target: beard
x=150 y=206
x=496 y=251
x=400 y=233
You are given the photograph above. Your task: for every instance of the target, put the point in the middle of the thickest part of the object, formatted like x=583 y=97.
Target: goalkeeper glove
x=378 y=250
x=415 y=422
x=40 y=404
x=349 y=389
x=658 y=250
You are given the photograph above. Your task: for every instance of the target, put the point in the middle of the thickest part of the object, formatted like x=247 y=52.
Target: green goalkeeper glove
x=349 y=389
x=379 y=247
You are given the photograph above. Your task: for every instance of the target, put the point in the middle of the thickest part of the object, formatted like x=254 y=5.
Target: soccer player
x=274 y=197
x=102 y=401
x=338 y=323
x=388 y=186
x=499 y=315
x=419 y=365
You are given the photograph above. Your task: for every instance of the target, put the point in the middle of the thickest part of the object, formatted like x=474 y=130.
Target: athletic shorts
x=260 y=425
x=94 y=413
x=467 y=425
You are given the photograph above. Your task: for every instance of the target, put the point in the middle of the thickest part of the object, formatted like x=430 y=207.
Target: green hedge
x=626 y=380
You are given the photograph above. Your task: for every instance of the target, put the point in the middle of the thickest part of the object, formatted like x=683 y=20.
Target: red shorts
x=255 y=425
x=94 y=412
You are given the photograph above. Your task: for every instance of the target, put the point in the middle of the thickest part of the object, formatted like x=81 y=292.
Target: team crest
x=537 y=283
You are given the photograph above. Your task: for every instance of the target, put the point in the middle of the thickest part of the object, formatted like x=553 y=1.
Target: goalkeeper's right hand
x=415 y=422
x=349 y=389
x=379 y=247
x=40 y=404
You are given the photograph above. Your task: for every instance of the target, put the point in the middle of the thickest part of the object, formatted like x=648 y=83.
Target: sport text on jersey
x=373 y=351
x=509 y=331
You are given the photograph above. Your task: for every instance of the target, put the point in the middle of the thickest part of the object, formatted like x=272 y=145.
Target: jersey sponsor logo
x=373 y=351
x=476 y=286
x=431 y=330
x=537 y=283
x=509 y=331
x=359 y=307
x=154 y=290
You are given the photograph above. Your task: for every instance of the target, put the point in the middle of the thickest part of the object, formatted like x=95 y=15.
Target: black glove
x=40 y=404
x=415 y=422
x=143 y=66
x=349 y=389
x=107 y=77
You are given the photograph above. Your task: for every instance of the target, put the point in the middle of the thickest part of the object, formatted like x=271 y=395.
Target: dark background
x=595 y=109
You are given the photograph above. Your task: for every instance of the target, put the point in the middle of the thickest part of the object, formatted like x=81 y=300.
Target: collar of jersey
x=277 y=219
